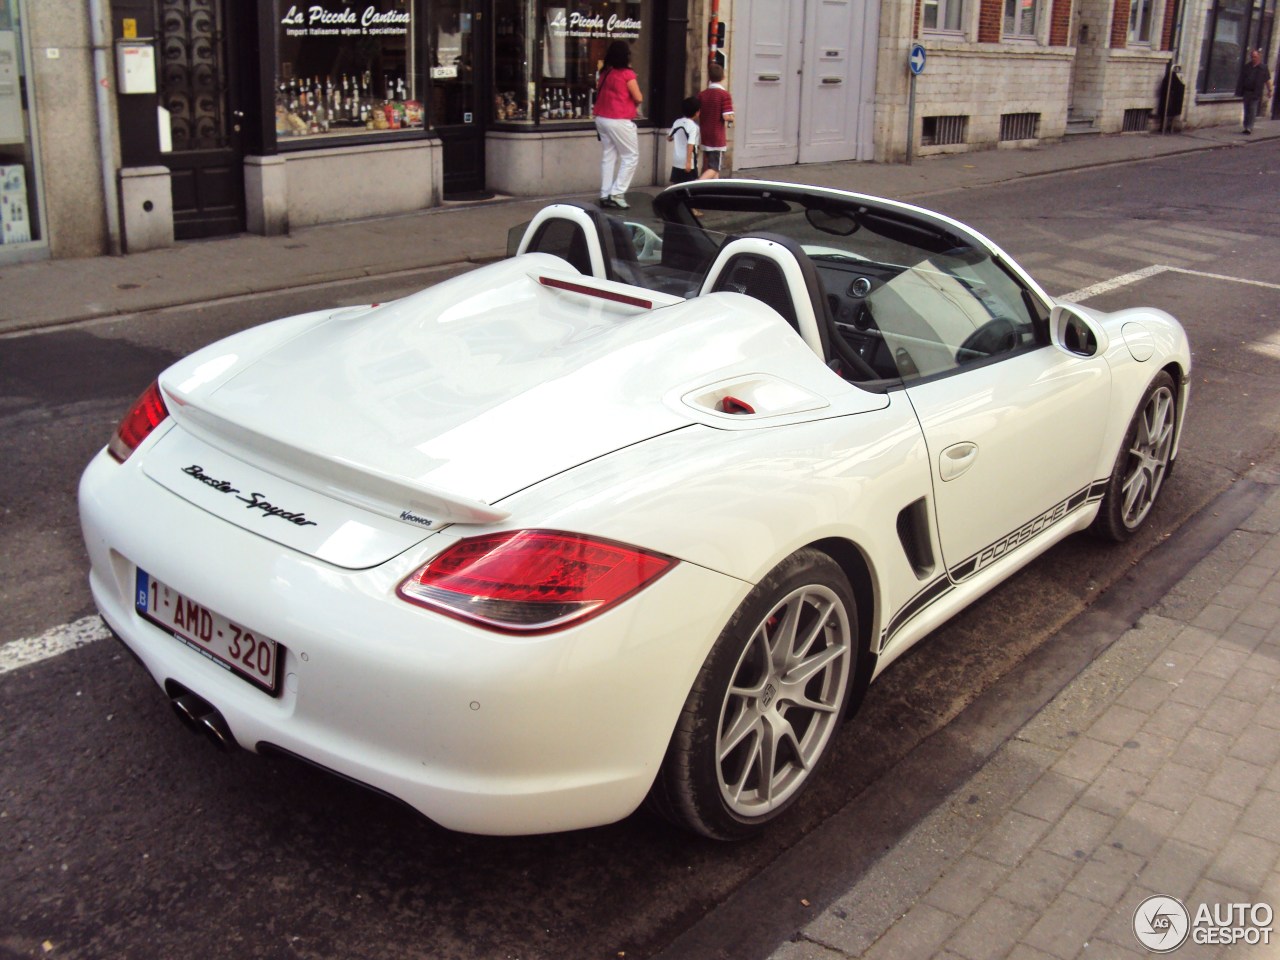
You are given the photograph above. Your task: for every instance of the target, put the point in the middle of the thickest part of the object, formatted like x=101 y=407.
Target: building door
x=458 y=66
x=803 y=81
x=198 y=86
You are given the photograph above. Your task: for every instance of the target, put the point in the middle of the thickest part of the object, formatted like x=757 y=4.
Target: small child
x=684 y=134
x=716 y=114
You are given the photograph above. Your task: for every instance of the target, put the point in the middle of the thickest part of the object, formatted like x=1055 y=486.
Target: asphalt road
x=122 y=835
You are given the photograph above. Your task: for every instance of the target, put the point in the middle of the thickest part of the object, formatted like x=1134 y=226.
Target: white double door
x=802 y=75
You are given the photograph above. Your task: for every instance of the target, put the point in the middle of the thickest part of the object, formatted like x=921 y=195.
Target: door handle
x=833 y=80
x=956 y=460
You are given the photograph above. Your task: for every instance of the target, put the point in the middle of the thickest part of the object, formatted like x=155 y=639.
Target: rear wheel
x=761 y=713
x=1143 y=464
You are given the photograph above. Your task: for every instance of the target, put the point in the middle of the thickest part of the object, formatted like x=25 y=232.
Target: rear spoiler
x=390 y=496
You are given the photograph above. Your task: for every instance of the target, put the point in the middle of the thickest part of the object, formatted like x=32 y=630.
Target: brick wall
x=1120 y=25
x=1060 y=24
x=1166 y=30
x=990 y=21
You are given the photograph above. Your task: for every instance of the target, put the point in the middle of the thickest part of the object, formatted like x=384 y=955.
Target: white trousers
x=620 y=152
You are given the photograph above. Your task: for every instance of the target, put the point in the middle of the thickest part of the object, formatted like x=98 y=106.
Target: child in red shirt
x=717 y=112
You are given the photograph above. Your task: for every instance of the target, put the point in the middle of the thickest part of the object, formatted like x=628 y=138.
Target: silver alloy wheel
x=784 y=700
x=1148 y=457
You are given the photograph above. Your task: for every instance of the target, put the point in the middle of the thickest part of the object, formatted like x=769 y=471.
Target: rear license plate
x=248 y=655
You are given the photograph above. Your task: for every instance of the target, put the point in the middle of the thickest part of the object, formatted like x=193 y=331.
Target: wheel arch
x=857 y=568
x=1182 y=383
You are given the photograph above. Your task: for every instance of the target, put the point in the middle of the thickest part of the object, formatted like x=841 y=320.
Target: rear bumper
x=481 y=732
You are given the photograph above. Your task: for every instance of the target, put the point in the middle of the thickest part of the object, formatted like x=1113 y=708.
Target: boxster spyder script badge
x=254 y=501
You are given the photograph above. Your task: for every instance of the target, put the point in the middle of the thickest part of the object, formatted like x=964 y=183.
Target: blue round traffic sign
x=916 y=60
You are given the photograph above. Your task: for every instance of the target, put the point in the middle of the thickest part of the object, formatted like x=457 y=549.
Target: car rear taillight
x=147 y=413
x=529 y=580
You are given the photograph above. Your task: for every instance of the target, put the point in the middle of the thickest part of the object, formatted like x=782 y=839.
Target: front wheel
x=762 y=710
x=1143 y=464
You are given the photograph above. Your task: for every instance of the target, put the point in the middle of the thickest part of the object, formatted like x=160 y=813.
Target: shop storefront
x=21 y=231
x=336 y=109
x=1231 y=29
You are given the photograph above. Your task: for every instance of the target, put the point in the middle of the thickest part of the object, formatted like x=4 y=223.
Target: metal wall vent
x=1137 y=121
x=941 y=131
x=1019 y=126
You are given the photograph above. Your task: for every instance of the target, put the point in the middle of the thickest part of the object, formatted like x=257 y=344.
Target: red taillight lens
x=144 y=416
x=526 y=580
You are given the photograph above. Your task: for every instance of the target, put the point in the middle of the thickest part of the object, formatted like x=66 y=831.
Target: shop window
x=547 y=55
x=346 y=68
x=19 y=220
x=1021 y=17
x=1232 y=28
x=943 y=15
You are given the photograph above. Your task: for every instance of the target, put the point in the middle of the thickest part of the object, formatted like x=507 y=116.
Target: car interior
x=880 y=294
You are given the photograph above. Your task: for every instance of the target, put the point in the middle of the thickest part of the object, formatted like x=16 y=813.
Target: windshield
x=881 y=292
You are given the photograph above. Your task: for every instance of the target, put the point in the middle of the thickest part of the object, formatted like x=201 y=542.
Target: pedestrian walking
x=715 y=116
x=1255 y=87
x=617 y=98
x=684 y=137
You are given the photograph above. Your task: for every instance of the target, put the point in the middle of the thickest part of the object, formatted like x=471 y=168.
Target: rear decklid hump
x=362 y=430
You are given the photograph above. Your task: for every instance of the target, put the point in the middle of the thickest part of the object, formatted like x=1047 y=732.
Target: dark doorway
x=199 y=86
x=459 y=62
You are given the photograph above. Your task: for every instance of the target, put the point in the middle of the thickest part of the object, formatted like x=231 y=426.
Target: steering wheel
x=647 y=243
x=997 y=335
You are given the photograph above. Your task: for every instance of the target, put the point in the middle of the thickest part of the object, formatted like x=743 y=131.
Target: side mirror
x=1072 y=330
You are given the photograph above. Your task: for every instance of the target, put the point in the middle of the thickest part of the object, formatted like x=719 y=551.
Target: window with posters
x=547 y=54
x=345 y=68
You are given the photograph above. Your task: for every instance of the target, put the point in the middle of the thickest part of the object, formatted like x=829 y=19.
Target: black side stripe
x=988 y=555
x=930 y=594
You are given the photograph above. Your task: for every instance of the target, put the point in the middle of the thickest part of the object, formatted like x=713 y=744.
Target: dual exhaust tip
x=198 y=715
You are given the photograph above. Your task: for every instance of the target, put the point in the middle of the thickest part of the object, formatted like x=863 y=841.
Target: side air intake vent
x=913 y=532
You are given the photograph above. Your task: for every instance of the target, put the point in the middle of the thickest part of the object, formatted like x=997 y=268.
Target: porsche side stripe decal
x=938 y=588
x=967 y=568
x=1013 y=540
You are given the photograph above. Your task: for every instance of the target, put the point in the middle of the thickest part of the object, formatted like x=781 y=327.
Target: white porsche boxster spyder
x=637 y=512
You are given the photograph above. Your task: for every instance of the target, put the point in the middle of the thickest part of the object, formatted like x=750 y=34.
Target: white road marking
x=1143 y=245
x=1268 y=346
x=1115 y=283
x=1190 y=235
x=52 y=643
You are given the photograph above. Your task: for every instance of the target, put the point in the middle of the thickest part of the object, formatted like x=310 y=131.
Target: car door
x=1013 y=446
x=1012 y=423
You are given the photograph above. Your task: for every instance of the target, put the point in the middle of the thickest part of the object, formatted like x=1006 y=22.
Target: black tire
x=716 y=779
x=1143 y=464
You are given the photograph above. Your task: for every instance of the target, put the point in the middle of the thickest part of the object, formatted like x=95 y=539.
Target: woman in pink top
x=617 y=96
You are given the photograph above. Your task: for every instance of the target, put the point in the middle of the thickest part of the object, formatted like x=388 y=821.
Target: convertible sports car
x=636 y=513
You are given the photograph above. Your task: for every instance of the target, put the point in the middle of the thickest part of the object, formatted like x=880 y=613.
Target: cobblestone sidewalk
x=1154 y=772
